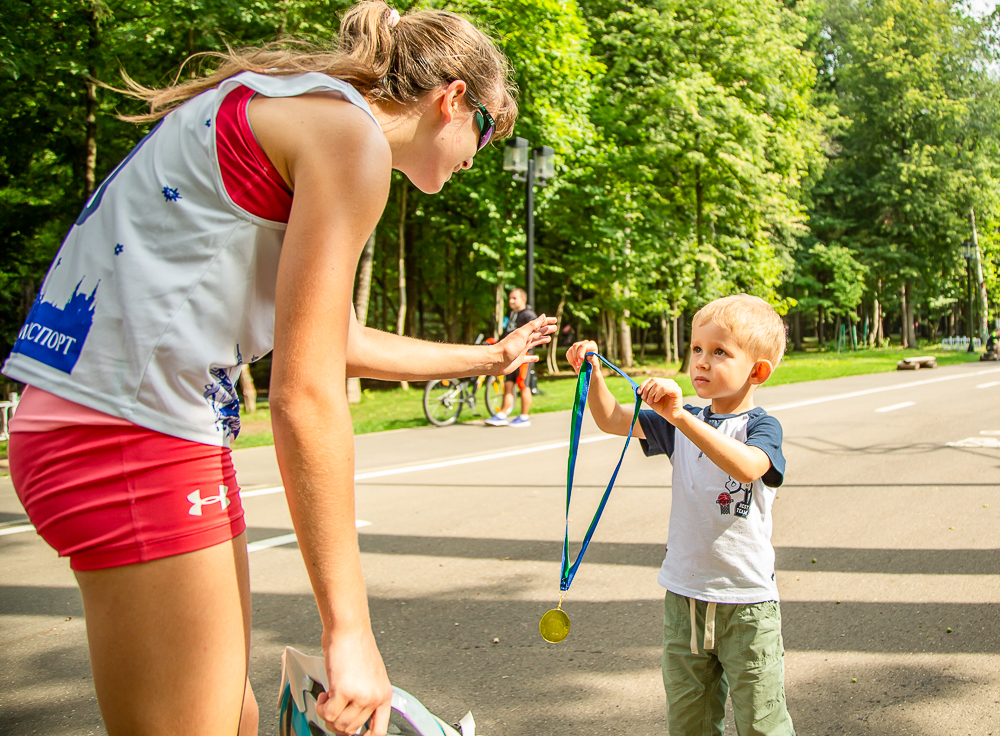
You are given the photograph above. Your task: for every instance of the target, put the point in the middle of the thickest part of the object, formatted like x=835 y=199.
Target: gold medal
x=554 y=625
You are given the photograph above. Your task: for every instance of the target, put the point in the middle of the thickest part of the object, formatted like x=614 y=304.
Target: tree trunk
x=362 y=293
x=984 y=306
x=873 y=337
x=797 y=331
x=90 y=146
x=608 y=338
x=498 y=303
x=665 y=333
x=699 y=196
x=449 y=317
x=248 y=390
x=552 y=358
x=625 y=340
x=683 y=345
x=401 y=315
x=677 y=331
x=820 y=327
x=907 y=336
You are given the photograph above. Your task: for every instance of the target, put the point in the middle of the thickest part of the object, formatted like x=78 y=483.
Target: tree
x=919 y=148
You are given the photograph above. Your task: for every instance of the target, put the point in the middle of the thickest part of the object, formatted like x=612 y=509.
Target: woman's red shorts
x=118 y=495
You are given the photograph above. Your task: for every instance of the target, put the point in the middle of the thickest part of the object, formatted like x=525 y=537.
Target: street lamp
x=968 y=253
x=540 y=167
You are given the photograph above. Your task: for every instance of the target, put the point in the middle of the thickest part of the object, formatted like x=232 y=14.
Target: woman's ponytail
x=385 y=56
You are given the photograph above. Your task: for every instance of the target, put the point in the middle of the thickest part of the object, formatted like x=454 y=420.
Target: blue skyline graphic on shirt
x=55 y=335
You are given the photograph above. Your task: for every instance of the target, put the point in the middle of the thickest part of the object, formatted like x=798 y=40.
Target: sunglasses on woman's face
x=484 y=121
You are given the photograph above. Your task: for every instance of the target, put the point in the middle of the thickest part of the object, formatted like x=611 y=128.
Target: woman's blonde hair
x=385 y=56
x=753 y=323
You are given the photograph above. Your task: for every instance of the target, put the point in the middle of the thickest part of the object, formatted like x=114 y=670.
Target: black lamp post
x=540 y=167
x=968 y=253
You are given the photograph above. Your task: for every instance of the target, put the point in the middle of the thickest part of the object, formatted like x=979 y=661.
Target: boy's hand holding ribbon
x=662 y=395
x=554 y=625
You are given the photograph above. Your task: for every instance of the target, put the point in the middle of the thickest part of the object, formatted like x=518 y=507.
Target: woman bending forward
x=232 y=229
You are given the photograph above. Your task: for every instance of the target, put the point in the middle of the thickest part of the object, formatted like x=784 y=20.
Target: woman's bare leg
x=169 y=644
x=250 y=717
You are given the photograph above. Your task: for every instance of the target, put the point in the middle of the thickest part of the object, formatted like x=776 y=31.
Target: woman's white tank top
x=164 y=287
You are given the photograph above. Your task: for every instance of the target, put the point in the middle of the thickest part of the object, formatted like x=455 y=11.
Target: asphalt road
x=886 y=536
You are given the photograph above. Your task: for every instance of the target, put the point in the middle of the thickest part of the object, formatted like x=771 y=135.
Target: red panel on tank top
x=247 y=173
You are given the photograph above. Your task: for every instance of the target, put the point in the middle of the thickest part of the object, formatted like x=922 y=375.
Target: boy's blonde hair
x=754 y=324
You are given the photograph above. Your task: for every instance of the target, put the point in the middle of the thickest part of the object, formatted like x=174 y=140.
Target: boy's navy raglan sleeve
x=659 y=432
x=764 y=432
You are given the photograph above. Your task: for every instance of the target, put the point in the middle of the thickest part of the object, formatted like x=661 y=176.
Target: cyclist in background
x=520 y=314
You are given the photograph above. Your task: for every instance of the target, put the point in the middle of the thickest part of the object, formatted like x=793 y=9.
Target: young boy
x=722 y=624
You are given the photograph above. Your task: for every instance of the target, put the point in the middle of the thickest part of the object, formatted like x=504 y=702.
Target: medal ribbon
x=576 y=425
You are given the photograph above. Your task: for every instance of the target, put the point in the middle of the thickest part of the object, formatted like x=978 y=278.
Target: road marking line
x=475 y=458
x=272 y=542
x=991 y=443
x=262 y=492
x=442 y=463
x=893 y=407
x=288 y=539
x=867 y=392
x=991 y=384
x=16 y=529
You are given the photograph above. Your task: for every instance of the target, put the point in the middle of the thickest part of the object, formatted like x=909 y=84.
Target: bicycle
x=445 y=397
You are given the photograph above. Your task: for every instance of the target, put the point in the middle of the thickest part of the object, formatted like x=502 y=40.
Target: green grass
x=393 y=408
x=798 y=367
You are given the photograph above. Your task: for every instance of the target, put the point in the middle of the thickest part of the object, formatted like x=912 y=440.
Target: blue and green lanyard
x=579 y=403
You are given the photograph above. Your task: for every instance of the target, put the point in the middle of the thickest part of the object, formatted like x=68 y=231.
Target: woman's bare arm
x=376 y=354
x=339 y=165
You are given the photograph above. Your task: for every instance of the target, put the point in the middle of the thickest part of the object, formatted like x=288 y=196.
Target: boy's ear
x=761 y=371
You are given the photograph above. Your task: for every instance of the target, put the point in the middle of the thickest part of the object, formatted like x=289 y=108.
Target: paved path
x=886 y=537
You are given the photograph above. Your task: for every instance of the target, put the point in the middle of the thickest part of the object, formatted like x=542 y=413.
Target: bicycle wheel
x=443 y=401
x=494 y=394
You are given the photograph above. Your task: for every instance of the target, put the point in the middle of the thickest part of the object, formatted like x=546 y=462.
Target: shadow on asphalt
x=788 y=559
x=442 y=649
x=7 y=518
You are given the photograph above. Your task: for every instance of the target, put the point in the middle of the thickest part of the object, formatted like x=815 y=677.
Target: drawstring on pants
x=709 y=626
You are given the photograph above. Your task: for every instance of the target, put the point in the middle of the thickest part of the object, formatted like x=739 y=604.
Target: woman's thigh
x=169 y=641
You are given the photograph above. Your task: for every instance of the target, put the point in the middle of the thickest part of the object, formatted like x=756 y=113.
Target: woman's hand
x=515 y=346
x=359 y=689
x=576 y=354
x=663 y=396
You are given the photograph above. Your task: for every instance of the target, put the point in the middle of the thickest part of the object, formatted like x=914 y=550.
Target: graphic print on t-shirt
x=725 y=498
x=225 y=402
x=55 y=336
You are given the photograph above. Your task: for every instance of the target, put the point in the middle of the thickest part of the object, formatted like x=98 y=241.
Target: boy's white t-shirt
x=165 y=286
x=719 y=543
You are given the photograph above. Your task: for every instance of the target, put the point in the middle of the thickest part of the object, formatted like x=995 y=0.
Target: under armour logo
x=197 y=501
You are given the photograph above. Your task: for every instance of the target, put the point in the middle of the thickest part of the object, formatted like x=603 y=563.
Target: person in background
x=520 y=315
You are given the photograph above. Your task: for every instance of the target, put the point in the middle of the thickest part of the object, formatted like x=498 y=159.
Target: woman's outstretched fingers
x=546 y=324
x=541 y=330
